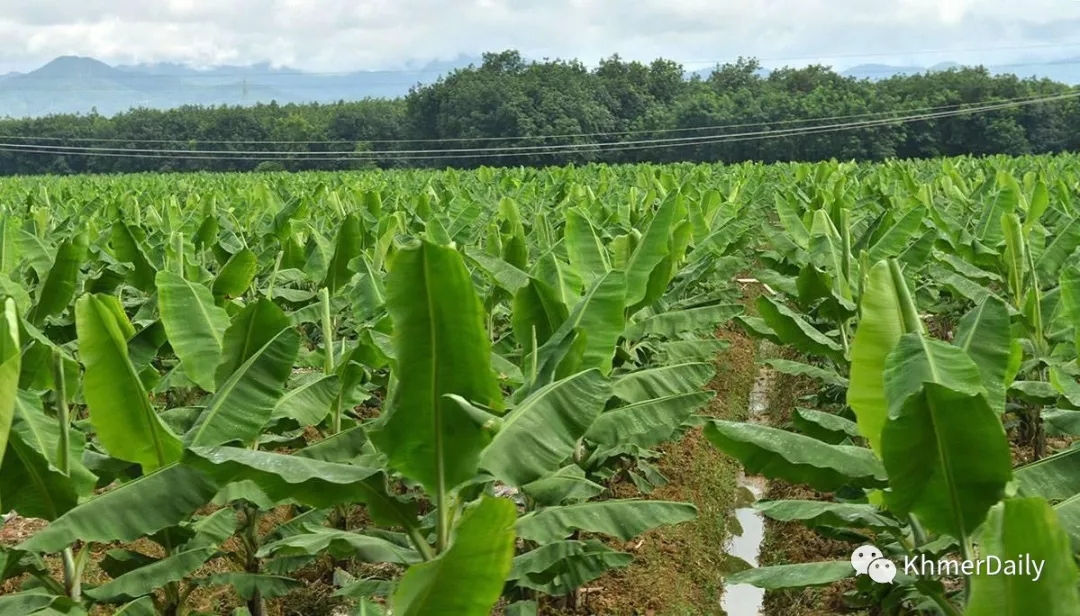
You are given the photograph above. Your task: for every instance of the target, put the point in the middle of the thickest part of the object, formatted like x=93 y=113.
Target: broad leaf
x=944 y=448
x=793 y=576
x=284 y=478
x=984 y=335
x=1025 y=530
x=135 y=509
x=145 y=580
x=127 y=250
x=566 y=484
x=58 y=289
x=650 y=251
x=794 y=368
x=795 y=458
x=646 y=424
x=341 y=544
x=561 y=567
x=310 y=402
x=31 y=485
x=824 y=426
x=536 y=313
x=623 y=519
x=243 y=404
x=236 y=275
x=677 y=322
x=682 y=351
x=466 y=579
x=823 y=513
x=247 y=584
x=350 y=239
x=120 y=411
x=194 y=324
x=506 y=276
x=586 y=252
x=663 y=382
x=10 y=366
x=251 y=329
x=792 y=329
x=1054 y=478
x=880 y=327
x=540 y=434
x=599 y=318
x=441 y=348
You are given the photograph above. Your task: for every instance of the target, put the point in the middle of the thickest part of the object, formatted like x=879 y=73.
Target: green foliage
x=959 y=339
x=458 y=375
x=506 y=97
x=469 y=360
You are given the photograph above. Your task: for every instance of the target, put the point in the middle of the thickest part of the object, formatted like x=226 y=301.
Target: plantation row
x=438 y=377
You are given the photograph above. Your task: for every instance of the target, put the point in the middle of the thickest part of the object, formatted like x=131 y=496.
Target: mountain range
x=74 y=84
x=1066 y=70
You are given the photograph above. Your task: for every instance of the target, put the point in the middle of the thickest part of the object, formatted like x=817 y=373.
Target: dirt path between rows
x=678 y=570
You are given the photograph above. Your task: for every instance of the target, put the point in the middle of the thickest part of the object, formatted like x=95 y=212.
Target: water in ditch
x=749 y=533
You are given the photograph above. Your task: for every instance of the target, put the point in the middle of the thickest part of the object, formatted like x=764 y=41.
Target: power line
x=558 y=150
x=484 y=139
x=526 y=149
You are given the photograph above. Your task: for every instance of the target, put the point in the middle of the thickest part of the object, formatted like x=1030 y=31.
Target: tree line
x=511 y=112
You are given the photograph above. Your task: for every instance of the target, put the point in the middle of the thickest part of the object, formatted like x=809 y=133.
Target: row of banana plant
x=470 y=360
x=937 y=310
x=436 y=347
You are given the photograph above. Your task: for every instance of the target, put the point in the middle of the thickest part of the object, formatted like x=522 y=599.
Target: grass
x=791 y=542
x=677 y=570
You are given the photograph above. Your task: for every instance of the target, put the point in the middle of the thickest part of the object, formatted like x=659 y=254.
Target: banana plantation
x=456 y=392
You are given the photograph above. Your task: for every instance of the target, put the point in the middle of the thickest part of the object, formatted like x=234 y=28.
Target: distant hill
x=704 y=73
x=881 y=71
x=73 y=84
x=1065 y=70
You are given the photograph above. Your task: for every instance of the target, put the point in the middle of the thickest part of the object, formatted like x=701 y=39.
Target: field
x=529 y=391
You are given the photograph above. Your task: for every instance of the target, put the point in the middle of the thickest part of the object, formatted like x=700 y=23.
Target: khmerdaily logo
x=868 y=560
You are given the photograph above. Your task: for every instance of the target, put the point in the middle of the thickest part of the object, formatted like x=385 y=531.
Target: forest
x=510 y=112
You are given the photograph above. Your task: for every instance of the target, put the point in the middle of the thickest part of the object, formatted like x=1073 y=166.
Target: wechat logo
x=868 y=560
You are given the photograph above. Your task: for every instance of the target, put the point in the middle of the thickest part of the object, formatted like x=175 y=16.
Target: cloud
x=333 y=35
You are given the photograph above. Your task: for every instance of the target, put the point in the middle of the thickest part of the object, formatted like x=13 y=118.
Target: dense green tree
x=558 y=112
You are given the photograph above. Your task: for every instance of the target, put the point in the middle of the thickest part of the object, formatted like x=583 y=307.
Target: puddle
x=743 y=599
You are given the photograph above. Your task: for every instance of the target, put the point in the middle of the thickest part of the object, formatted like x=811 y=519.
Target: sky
x=345 y=35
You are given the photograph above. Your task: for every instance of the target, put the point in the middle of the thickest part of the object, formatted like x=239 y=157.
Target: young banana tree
x=937 y=474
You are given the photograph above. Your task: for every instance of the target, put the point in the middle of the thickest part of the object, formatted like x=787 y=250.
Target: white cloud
x=333 y=35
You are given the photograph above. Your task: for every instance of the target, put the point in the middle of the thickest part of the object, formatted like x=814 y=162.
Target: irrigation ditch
x=748 y=531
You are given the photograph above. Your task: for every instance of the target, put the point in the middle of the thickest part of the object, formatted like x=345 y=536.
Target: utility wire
x=526 y=148
x=477 y=139
x=553 y=150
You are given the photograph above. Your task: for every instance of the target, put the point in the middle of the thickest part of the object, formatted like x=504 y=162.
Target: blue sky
x=339 y=35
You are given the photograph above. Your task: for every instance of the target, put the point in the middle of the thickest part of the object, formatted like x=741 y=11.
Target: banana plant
x=936 y=473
